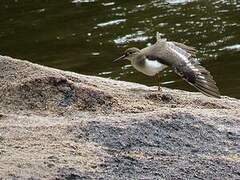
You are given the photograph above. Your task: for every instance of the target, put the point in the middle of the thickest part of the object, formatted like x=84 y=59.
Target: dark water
x=84 y=36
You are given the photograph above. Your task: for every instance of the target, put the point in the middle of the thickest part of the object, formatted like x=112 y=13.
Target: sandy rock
x=62 y=125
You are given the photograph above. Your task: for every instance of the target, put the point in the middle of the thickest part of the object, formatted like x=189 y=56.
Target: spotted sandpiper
x=180 y=57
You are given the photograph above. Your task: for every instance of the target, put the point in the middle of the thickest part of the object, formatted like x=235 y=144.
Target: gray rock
x=62 y=125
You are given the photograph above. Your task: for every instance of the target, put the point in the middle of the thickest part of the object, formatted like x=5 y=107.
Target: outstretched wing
x=180 y=58
x=189 y=49
x=199 y=77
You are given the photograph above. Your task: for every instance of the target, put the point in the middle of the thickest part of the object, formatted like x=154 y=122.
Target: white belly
x=150 y=67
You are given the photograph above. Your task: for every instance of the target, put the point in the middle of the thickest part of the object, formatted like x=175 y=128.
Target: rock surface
x=62 y=125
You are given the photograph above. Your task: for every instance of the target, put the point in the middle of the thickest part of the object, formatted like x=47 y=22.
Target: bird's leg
x=157 y=76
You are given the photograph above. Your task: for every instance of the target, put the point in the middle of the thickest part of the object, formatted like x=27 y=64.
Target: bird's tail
x=200 y=78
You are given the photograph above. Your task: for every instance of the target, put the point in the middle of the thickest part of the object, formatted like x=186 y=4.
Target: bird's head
x=129 y=54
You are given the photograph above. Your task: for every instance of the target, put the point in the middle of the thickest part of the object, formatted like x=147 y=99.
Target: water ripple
x=173 y=2
x=235 y=47
x=118 y=21
x=82 y=1
x=131 y=38
x=108 y=4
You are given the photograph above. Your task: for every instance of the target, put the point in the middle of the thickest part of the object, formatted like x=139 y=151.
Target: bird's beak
x=120 y=58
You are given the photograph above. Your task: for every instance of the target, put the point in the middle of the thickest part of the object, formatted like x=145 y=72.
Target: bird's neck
x=139 y=61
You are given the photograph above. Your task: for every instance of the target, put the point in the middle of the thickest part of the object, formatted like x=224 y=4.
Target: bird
x=181 y=58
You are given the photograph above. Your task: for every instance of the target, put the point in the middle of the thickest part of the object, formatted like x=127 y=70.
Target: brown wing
x=180 y=58
x=192 y=72
x=199 y=77
x=189 y=49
